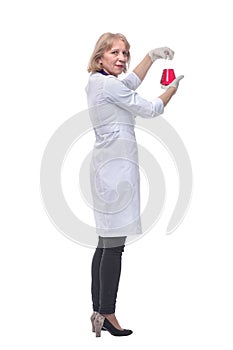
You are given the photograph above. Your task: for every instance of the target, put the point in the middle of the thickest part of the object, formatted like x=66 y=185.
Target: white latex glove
x=162 y=52
x=174 y=83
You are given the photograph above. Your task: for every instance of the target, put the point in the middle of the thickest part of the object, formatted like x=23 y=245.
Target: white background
x=176 y=291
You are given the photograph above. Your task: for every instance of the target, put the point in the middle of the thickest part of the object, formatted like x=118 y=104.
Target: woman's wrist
x=172 y=89
x=151 y=57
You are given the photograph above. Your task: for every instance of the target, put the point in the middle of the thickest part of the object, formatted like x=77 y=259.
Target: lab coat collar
x=103 y=72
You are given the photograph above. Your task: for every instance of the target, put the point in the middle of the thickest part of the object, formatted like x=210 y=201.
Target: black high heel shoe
x=108 y=326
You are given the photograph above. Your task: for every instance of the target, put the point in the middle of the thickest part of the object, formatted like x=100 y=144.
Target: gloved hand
x=174 y=83
x=162 y=52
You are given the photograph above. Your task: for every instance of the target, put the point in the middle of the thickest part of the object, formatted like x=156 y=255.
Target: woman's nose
x=122 y=57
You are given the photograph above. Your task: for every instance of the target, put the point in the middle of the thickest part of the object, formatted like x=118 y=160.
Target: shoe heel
x=93 y=316
x=98 y=324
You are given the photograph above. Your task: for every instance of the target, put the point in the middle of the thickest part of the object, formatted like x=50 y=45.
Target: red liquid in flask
x=167 y=77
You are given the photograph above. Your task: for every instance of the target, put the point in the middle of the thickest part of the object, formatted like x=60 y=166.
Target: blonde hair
x=103 y=44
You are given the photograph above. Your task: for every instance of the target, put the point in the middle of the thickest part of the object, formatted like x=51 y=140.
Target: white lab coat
x=114 y=171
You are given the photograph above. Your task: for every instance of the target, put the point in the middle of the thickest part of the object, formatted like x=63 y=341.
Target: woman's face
x=115 y=59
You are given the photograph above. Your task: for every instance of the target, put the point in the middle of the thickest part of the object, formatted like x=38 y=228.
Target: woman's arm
x=143 y=67
x=167 y=95
x=170 y=90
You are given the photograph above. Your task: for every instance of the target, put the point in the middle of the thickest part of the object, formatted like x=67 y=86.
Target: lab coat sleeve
x=132 y=81
x=116 y=92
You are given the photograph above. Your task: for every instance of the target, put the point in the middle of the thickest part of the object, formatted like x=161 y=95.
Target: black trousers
x=106 y=271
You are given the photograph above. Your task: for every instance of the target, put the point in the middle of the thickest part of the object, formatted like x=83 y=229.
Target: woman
x=113 y=105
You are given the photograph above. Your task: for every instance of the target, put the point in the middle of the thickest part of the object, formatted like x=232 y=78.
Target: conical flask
x=168 y=75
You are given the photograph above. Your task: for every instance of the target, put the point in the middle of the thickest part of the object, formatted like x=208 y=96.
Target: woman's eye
x=125 y=53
